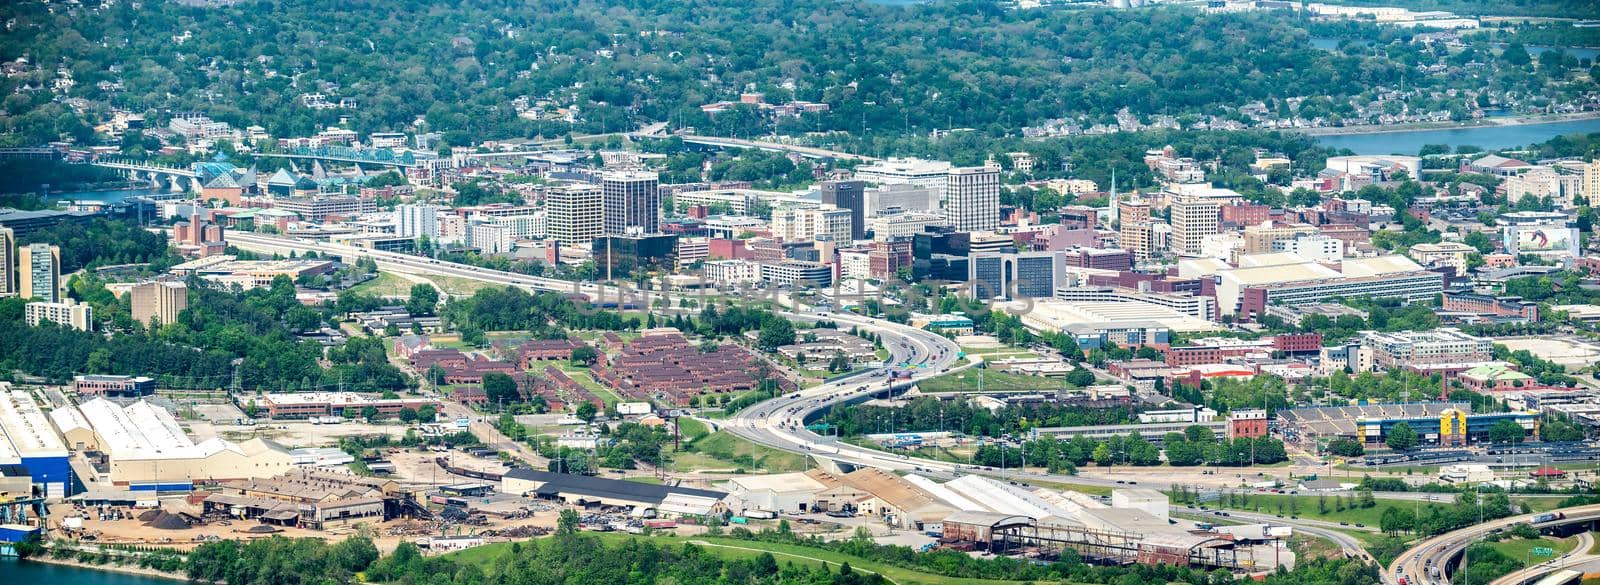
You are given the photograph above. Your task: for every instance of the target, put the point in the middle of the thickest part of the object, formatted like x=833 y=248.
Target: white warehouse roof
x=26 y=427
x=938 y=490
x=139 y=431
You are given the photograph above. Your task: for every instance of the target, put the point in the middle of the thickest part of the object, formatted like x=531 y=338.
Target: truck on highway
x=1546 y=517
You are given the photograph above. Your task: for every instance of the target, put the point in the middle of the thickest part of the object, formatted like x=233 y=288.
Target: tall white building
x=413 y=220
x=574 y=214
x=972 y=198
x=1193 y=219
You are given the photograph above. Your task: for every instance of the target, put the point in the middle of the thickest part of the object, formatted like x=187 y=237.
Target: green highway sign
x=1543 y=551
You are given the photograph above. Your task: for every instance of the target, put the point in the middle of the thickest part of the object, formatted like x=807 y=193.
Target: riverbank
x=108 y=567
x=1479 y=123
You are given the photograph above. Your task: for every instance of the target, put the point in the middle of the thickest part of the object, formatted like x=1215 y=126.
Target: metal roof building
x=585 y=490
x=28 y=439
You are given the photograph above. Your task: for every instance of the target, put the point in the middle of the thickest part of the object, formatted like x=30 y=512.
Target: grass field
x=705 y=449
x=729 y=548
x=974 y=379
x=581 y=375
x=1093 y=490
x=1519 y=549
x=1306 y=507
x=385 y=285
x=456 y=286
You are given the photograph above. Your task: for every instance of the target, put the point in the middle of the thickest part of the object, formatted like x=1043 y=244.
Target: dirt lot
x=417 y=467
x=387 y=535
x=293 y=434
x=1562 y=350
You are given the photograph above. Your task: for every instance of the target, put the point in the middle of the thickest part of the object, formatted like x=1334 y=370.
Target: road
x=1325 y=530
x=1578 y=556
x=779 y=422
x=1437 y=551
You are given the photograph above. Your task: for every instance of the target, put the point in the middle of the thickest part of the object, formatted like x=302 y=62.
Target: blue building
x=27 y=439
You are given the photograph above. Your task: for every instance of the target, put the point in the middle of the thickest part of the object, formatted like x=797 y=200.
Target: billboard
x=1542 y=240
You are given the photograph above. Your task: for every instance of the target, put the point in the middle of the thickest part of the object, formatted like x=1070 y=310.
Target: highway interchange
x=780 y=422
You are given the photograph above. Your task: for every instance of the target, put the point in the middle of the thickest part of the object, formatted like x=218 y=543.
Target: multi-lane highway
x=778 y=422
x=1417 y=565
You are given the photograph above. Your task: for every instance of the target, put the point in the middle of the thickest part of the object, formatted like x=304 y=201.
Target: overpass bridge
x=161 y=176
x=805 y=151
x=380 y=157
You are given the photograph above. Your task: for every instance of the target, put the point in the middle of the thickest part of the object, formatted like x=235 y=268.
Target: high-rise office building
x=849 y=195
x=413 y=220
x=972 y=198
x=632 y=202
x=1192 y=220
x=1026 y=275
x=574 y=214
x=8 y=262
x=39 y=272
x=159 y=301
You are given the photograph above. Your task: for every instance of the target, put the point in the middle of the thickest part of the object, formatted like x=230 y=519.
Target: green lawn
x=1093 y=490
x=704 y=449
x=385 y=285
x=729 y=548
x=581 y=375
x=1518 y=549
x=971 y=381
x=1305 y=506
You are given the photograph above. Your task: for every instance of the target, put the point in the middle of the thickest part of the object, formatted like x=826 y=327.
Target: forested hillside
x=612 y=65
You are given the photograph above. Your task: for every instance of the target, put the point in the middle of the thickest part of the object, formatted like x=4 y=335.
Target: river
x=19 y=572
x=111 y=196
x=1486 y=137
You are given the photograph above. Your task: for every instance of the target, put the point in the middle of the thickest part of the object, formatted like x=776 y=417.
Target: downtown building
x=575 y=214
x=972 y=198
x=632 y=201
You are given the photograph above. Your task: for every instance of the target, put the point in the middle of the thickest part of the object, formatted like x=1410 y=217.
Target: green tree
x=775 y=332
x=586 y=411
x=499 y=388
x=1401 y=437
x=1506 y=431
x=1345 y=447
x=567 y=522
x=424 y=298
x=369 y=413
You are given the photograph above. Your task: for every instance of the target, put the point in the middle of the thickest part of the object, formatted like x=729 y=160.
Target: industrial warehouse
x=28 y=441
x=142 y=447
x=1436 y=423
x=978 y=513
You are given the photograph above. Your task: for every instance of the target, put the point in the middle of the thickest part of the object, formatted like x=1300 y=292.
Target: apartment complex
x=1446 y=345
x=8 y=277
x=159 y=301
x=799 y=224
x=413 y=220
x=39 y=272
x=69 y=313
